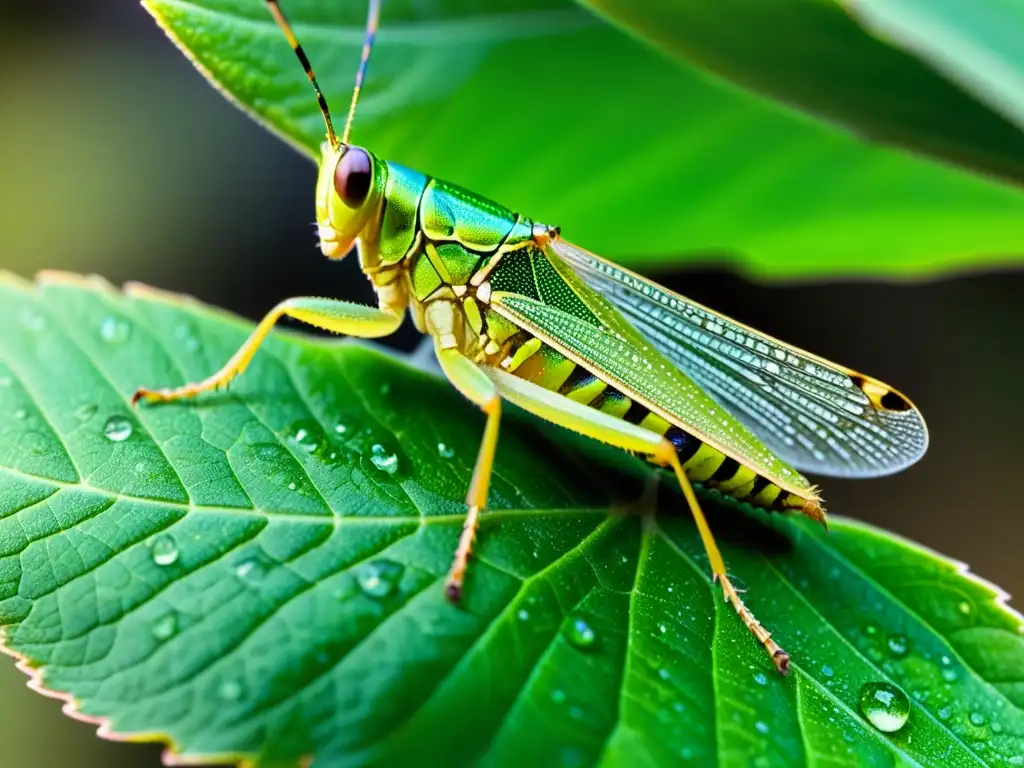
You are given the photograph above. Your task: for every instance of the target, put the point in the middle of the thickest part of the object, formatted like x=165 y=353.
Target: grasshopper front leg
x=337 y=316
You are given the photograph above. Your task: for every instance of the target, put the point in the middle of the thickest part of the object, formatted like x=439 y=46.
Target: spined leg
x=599 y=426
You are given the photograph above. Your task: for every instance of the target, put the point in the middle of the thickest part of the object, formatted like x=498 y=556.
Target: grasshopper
x=519 y=314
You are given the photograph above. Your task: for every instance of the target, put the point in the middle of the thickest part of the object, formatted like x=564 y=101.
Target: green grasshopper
x=517 y=313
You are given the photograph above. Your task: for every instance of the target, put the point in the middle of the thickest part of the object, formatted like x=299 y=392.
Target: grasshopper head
x=349 y=193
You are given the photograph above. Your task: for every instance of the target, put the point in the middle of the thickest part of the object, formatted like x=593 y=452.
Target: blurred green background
x=119 y=159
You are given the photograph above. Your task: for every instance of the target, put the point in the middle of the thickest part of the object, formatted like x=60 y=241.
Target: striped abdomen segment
x=530 y=359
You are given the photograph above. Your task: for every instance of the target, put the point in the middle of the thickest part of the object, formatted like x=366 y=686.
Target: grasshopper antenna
x=282 y=22
x=372 y=22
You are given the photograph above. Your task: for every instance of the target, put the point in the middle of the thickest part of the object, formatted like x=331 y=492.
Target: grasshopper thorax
x=349 y=196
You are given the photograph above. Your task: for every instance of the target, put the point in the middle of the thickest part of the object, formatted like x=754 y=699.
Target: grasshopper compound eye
x=353 y=176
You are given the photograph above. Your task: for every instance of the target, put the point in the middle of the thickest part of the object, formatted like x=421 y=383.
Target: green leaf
x=239 y=576
x=542 y=107
x=815 y=55
x=977 y=44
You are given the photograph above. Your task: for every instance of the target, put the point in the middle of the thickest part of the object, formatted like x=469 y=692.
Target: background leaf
x=814 y=54
x=241 y=576
x=578 y=125
x=975 y=44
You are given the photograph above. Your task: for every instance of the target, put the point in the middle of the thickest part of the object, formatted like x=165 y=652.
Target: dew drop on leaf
x=964 y=608
x=580 y=634
x=32 y=320
x=21 y=414
x=827 y=671
x=885 y=706
x=118 y=429
x=523 y=614
x=663 y=674
x=760 y=678
x=164 y=550
x=558 y=696
x=230 y=690
x=340 y=429
x=379 y=578
x=253 y=568
x=166 y=626
x=113 y=330
x=761 y=727
x=977 y=718
x=445 y=451
x=383 y=460
x=898 y=646
x=944 y=714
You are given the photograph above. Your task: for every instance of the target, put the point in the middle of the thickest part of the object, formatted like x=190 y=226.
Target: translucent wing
x=816 y=415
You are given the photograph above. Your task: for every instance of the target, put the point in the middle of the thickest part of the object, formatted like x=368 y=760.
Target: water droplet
x=253 y=568
x=305 y=440
x=340 y=429
x=558 y=696
x=580 y=633
x=113 y=330
x=997 y=727
x=187 y=336
x=977 y=718
x=662 y=628
x=899 y=645
x=166 y=626
x=21 y=414
x=163 y=550
x=1017 y=760
x=445 y=451
x=663 y=674
x=118 y=429
x=871 y=629
x=944 y=714
x=379 y=578
x=885 y=706
x=32 y=320
x=230 y=690
x=292 y=486
x=86 y=412
x=382 y=460
x=761 y=727
x=522 y=614
x=826 y=670
x=964 y=608
x=760 y=678
x=949 y=675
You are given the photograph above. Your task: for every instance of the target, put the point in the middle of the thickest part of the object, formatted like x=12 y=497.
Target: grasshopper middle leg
x=477 y=387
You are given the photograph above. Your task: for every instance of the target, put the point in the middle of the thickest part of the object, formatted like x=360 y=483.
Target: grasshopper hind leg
x=630 y=437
